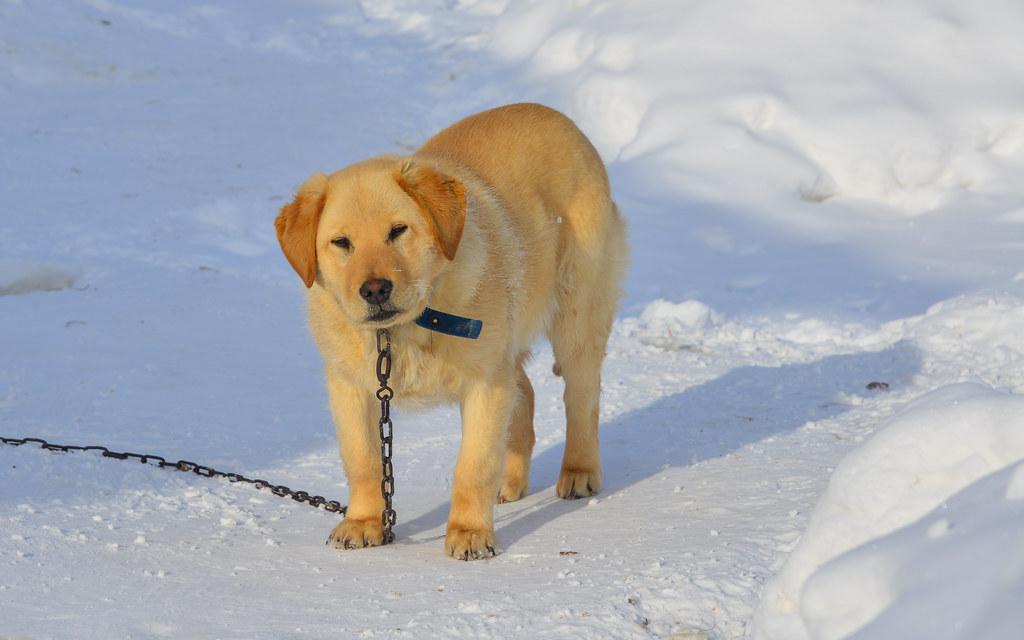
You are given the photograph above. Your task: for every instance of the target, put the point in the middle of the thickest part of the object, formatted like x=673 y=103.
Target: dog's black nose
x=376 y=290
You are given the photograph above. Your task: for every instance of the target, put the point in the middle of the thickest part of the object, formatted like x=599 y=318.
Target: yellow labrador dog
x=505 y=218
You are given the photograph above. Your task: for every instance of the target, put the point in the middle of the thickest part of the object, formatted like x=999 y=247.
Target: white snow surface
x=953 y=560
x=821 y=196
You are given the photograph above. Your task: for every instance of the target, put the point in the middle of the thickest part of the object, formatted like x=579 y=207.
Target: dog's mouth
x=383 y=314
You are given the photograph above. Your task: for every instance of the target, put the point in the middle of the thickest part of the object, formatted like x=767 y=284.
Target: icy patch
x=25 y=278
x=941 y=443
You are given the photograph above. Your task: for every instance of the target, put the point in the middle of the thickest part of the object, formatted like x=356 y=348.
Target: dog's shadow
x=707 y=421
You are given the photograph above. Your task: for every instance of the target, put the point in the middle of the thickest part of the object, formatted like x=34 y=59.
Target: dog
x=505 y=218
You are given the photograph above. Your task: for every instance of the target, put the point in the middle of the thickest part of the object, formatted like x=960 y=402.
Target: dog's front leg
x=359 y=444
x=486 y=412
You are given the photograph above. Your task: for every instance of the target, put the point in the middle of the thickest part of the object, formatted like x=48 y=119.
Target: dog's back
x=529 y=153
x=551 y=181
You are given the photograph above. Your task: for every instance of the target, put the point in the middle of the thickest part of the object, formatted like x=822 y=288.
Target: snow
x=957 y=573
x=24 y=278
x=676 y=326
x=821 y=196
x=917 y=530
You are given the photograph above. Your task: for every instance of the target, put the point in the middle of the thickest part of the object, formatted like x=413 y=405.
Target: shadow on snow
x=746 y=405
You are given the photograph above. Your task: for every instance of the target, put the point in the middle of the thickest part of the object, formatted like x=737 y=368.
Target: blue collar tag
x=448 y=324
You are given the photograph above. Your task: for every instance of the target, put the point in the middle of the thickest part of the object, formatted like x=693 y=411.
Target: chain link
x=387 y=483
x=384 y=394
x=186 y=465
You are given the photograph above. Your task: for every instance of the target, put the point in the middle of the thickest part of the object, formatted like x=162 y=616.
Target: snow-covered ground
x=821 y=196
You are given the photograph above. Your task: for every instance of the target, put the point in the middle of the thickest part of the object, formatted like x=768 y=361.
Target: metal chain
x=384 y=394
x=387 y=484
x=186 y=465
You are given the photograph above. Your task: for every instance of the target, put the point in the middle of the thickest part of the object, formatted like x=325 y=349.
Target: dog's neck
x=452 y=302
x=452 y=305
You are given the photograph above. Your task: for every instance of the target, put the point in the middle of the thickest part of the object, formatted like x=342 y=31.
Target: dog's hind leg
x=581 y=369
x=520 y=441
x=590 y=271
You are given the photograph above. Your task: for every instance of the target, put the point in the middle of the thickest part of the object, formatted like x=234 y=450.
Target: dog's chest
x=420 y=376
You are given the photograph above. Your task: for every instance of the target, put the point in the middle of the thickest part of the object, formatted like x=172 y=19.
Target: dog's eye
x=342 y=242
x=396 y=231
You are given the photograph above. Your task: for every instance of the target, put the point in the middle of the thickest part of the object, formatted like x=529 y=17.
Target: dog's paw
x=512 y=489
x=356 y=534
x=511 y=492
x=578 y=483
x=470 y=544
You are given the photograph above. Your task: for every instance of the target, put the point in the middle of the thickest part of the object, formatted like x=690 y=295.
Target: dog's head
x=376 y=235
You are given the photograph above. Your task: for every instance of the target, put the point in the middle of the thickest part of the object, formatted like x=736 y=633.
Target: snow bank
x=958 y=573
x=969 y=325
x=859 y=563
x=969 y=338
x=762 y=104
x=695 y=326
x=825 y=137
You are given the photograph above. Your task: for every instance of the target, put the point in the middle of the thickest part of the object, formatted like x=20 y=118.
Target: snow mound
x=969 y=324
x=850 y=568
x=692 y=325
x=649 y=84
x=674 y=326
x=958 y=573
x=761 y=104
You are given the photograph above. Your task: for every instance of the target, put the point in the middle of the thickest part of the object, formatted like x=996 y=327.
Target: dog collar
x=449 y=324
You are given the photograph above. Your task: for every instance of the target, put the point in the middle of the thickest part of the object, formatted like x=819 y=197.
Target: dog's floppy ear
x=296 y=226
x=442 y=200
